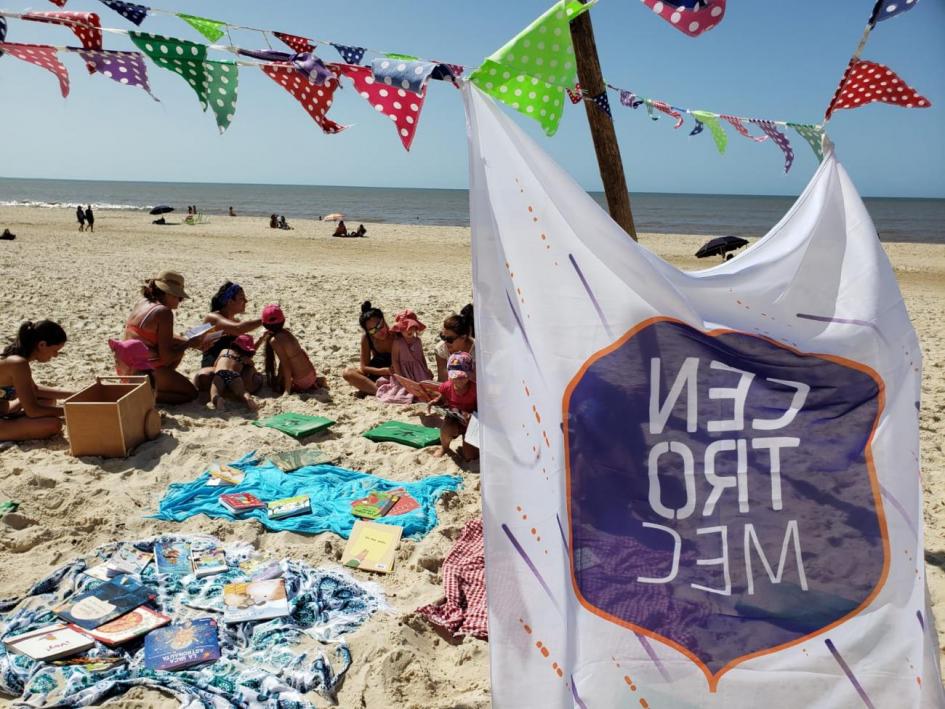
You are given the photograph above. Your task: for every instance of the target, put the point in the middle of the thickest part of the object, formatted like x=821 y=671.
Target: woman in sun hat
x=152 y=322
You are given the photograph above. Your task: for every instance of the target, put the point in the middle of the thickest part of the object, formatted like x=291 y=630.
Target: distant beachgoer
x=90 y=218
x=7 y=235
x=159 y=221
x=226 y=306
x=190 y=210
x=232 y=212
x=283 y=224
x=80 y=217
x=273 y=221
x=407 y=359
x=361 y=230
x=341 y=229
x=228 y=373
x=295 y=372
x=458 y=395
x=152 y=322
x=377 y=342
x=457 y=335
x=27 y=410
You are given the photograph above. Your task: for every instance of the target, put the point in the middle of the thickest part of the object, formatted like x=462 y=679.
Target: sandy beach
x=89 y=282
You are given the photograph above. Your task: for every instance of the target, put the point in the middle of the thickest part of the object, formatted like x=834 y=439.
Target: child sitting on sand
x=407 y=359
x=295 y=373
x=228 y=373
x=458 y=395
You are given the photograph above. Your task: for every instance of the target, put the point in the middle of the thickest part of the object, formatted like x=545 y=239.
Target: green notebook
x=296 y=425
x=407 y=433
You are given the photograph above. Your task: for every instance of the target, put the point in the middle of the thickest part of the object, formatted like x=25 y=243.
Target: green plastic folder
x=295 y=425
x=406 y=433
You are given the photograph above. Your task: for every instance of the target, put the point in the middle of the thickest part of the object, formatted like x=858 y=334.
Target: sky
x=774 y=60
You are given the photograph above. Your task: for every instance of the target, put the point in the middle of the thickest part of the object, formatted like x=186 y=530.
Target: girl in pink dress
x=407 y=359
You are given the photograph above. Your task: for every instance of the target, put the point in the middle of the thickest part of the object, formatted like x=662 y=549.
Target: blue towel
x=331 y=490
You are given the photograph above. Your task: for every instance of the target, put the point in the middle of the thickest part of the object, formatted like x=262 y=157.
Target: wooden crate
x=111 y=417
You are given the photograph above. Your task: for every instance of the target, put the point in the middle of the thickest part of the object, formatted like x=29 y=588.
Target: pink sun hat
x=272 y=315
x=407 y=320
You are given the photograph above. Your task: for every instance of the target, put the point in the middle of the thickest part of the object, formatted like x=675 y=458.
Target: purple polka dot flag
x=312 y=68
x=885 y=9
x=602 y=102
x=42 y=56
x=3 y=30
x=403 y=74
x=771 y=130
x=351 y=55
x=742 y=130
x=630 y=99
x=691 y=17
x=132 y=12
x=123 y=67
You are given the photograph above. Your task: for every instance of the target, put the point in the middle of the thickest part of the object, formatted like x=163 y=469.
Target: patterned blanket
x=269 y=663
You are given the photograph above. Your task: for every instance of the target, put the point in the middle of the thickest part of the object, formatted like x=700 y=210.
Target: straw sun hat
x=171 y=282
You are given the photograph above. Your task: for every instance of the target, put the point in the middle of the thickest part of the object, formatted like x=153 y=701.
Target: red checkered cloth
x=464 y=612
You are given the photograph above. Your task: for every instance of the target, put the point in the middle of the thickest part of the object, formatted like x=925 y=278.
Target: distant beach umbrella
x=162 y=209
x=721 y=245
x=333 y=217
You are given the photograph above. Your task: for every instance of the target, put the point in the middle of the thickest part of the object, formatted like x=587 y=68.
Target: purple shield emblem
x=722 y=496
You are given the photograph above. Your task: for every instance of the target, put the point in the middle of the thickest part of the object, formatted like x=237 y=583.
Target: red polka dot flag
x=865 y=82
x=86 y=25
x=299 y=44
x=60 y=3
x=401 y=106
x=691 y=17
x=314 y=98
x=42 y=56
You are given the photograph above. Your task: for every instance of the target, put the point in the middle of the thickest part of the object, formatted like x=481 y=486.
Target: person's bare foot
x=321 y=383
x=251 y=404
x=218 y=403
x=440 y=452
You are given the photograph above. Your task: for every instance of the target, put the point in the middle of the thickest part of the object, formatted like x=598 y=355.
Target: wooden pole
x=602 y=126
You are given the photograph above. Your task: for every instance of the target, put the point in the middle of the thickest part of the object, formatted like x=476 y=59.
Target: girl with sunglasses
x=377 y=341
x=458 y=335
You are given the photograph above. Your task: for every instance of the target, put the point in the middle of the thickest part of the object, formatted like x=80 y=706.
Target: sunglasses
x=377 y=328
x=449 y=339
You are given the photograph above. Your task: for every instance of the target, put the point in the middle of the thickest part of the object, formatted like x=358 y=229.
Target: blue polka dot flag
x=403 y=74
x=3 y=31
x=130 y=11
x=603 y=103
x=351 y=55
x=890 y=8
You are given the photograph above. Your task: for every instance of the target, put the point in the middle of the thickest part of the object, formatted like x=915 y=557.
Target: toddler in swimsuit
x=295 y=373
x=228 y=373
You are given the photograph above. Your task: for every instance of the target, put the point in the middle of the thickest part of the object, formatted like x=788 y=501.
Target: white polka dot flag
x=865 y=82
x=400 y=105
x=692 y=17
x=316 y=100
x=123 y=67
x=222 y=83
x=531 y=72
x=402 y=73
x=299 y=44
x=718 y=132
x=130 y=11
x=42 y=56
x=742 y=130
x=86 y=25
x=211 y=29
x=770 y=129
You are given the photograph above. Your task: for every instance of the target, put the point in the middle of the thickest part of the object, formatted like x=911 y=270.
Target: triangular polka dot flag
x=692 y=17
x=630 y=99
x=177 y=55
x=312 y=68
x=124 y=67
x=576 y=94
x=85 y=25
x=602 y=103
x=700 y=126
x=403 y=107
x=316 y=100
x=130 y=11
x=742 y=130
x=299 y=44
x=60 y=3
x=718 y=132
x=42 y=56
x=771 y=130
x=890 y=8
x=222 y=83
x=814 y=136
x=532 y=70
x=3 y=30
x=865 y=82
x=664 y=107
x=351 y=55
x=403 y=73
x=448 y=72
x=211 y=29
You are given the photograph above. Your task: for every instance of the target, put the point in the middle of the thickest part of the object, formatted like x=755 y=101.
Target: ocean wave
x=71 y=205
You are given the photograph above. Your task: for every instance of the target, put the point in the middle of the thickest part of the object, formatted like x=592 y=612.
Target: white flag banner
x=700 y=489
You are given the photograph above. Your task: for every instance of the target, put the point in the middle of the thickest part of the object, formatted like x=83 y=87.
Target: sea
x=896 y=219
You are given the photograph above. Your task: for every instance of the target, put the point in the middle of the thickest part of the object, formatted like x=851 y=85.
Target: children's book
x=49 y=642
x=405 y=503
x=460 y=417
x=422 y=391
x=172 y=558
x=377 y=504
x=295 y=425
x=207 y=562
x=289 y=507
x=408 y=434
x=223 y=474
x=197 y=330
x=256 y=600
x=240 y=502
x=372 y=546
x=181 y=645
x=287 y=461
x=105 y=602
x=260 y=569
x=127 y=560
x=128 y=626
x=99 y=571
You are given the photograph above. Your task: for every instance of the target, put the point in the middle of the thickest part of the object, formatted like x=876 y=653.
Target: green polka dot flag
x=222 y=82
x=531 y=72
x=211 y=29
x=813 y=135
x=718 y=132
x=177 y=55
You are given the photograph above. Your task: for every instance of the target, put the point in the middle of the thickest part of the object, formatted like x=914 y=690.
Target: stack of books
x=207 y=562
x=384 y=503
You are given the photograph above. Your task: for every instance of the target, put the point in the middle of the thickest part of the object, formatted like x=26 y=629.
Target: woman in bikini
x=295 y=372
x=27 y=410
x=377 y=341
x=152 y=322
x=225 y=308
